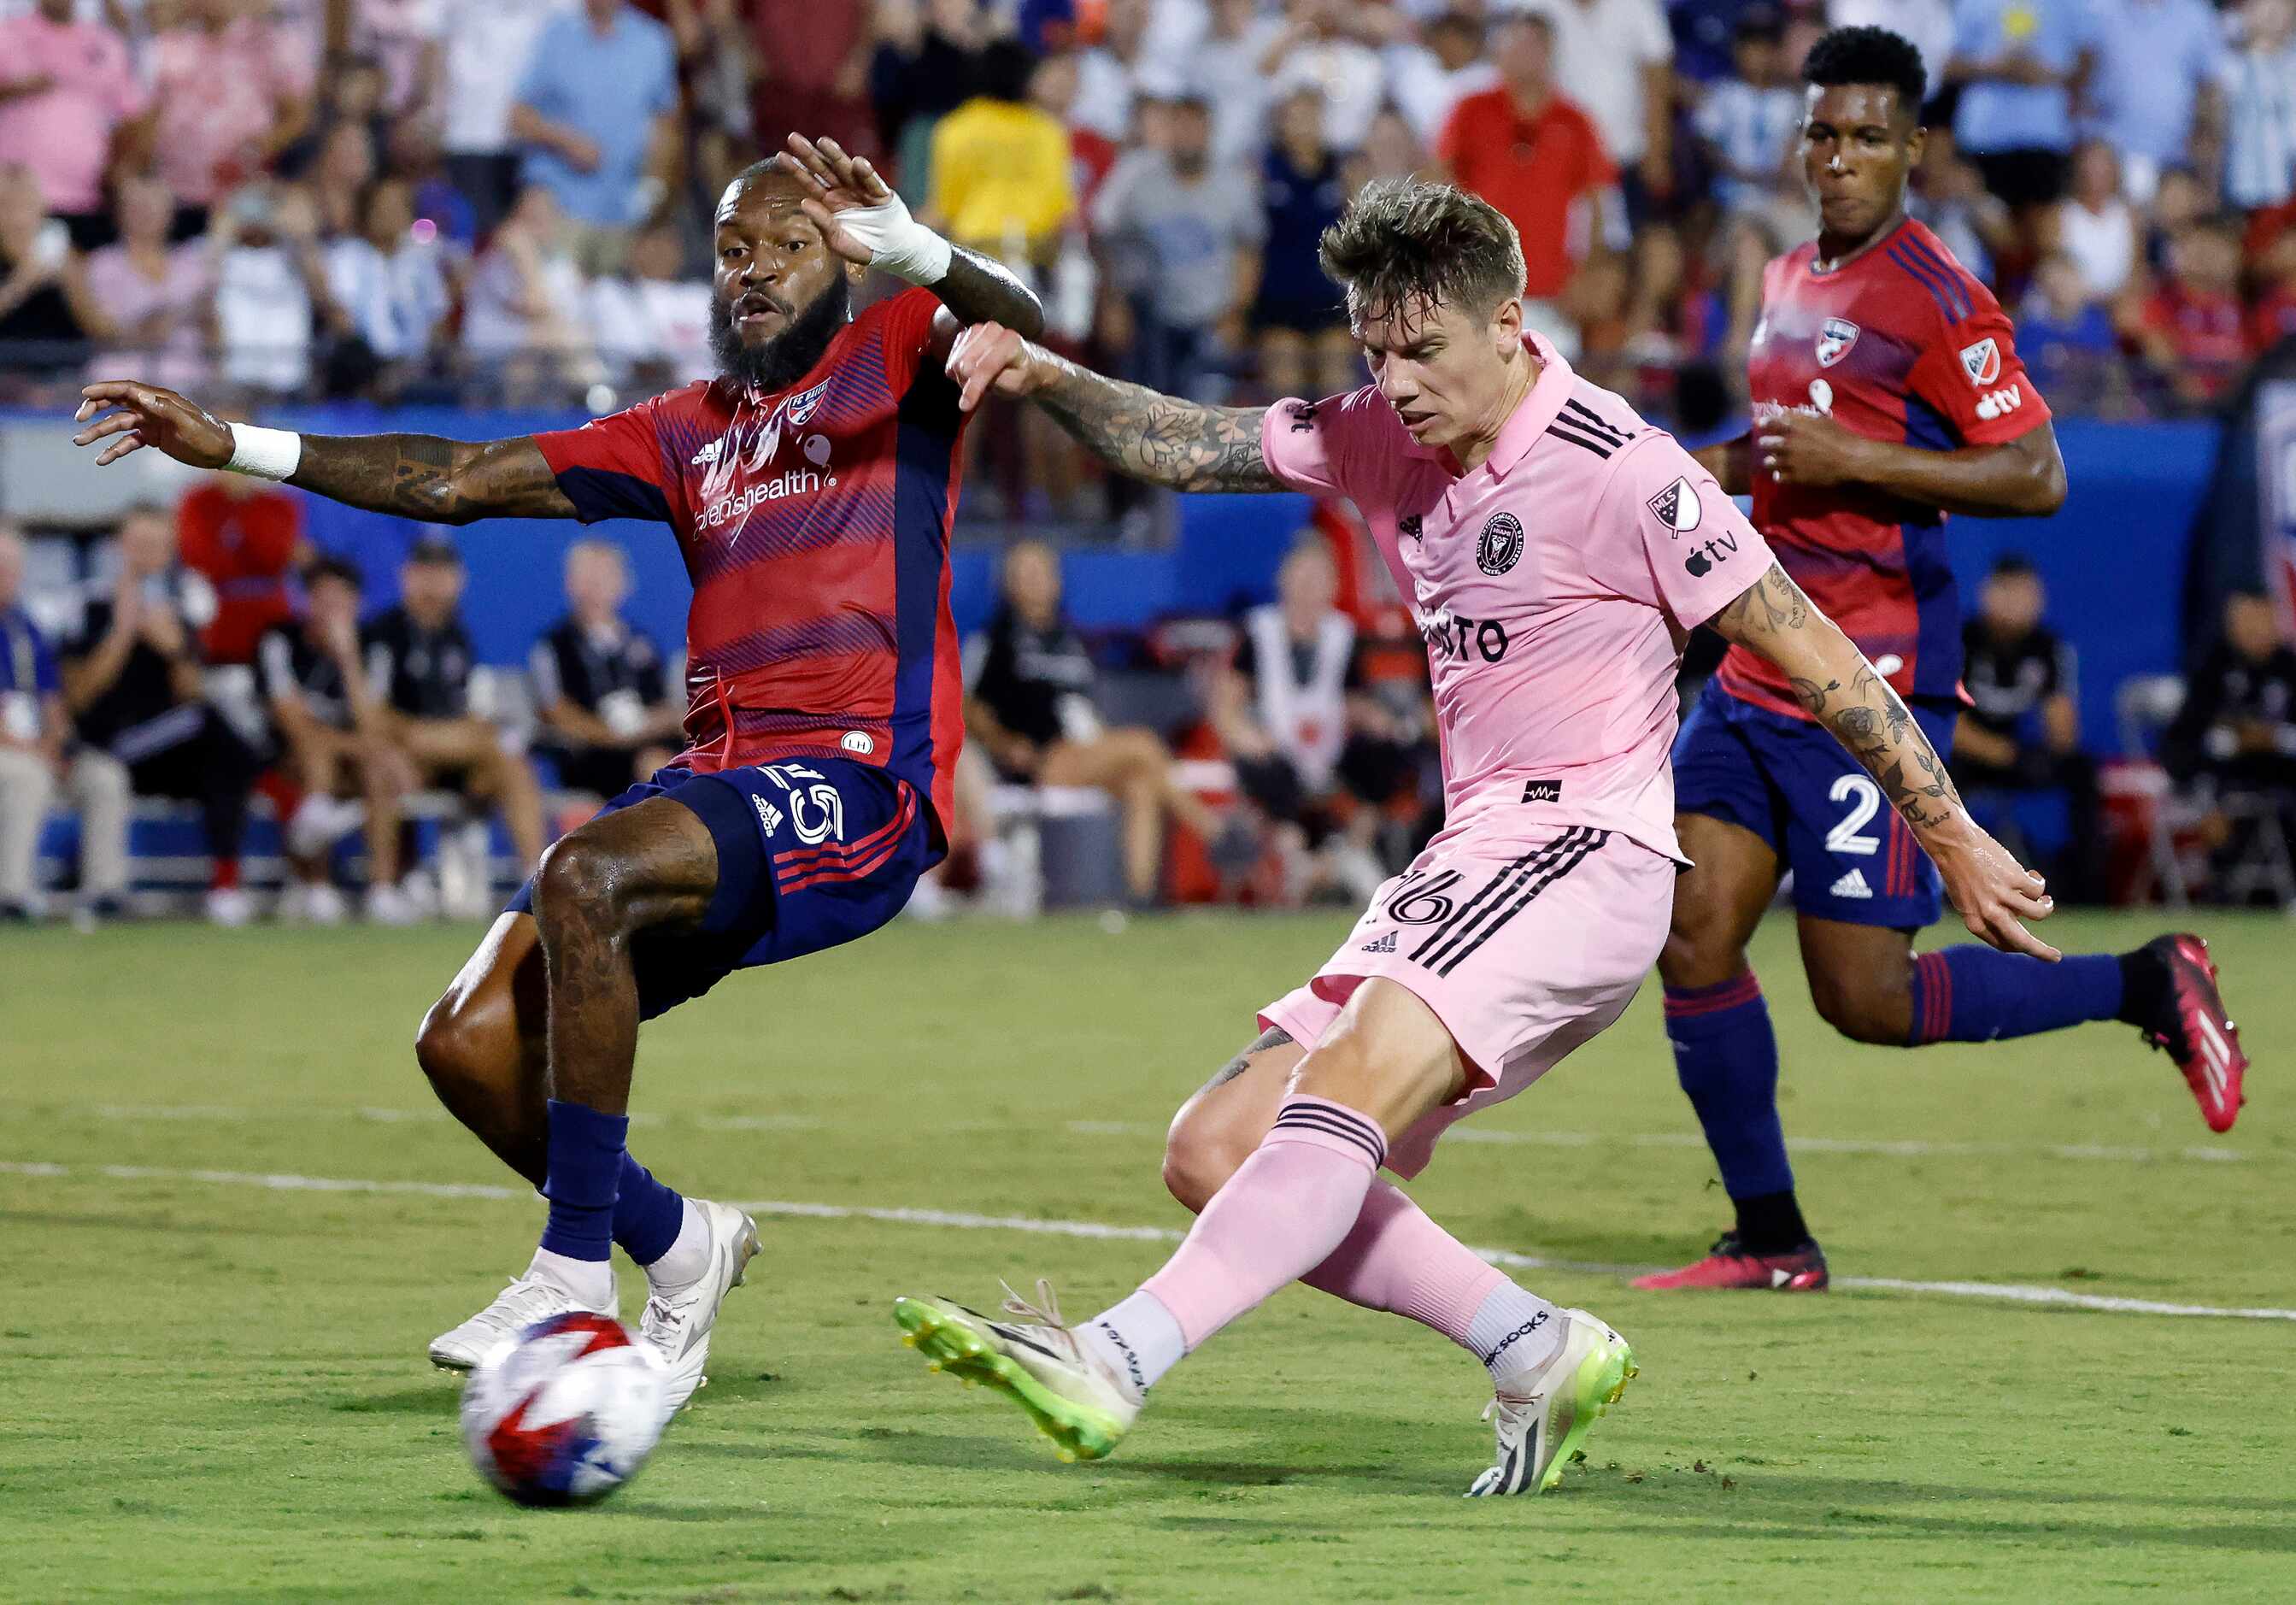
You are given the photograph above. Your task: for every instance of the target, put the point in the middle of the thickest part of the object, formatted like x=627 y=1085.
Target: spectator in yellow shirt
x=1001 y=181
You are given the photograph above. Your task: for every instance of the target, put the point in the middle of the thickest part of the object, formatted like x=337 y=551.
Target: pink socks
x=1282 y=1213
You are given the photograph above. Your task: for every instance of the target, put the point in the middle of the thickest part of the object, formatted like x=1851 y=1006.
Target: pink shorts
x=1525 y=941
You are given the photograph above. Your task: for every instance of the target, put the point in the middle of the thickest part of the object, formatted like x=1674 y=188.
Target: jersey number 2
x=1865 y=800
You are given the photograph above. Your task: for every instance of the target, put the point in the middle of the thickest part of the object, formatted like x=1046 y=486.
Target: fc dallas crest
x=1835 y=336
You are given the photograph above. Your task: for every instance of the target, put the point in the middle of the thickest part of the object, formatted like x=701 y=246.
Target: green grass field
x=216 y=1388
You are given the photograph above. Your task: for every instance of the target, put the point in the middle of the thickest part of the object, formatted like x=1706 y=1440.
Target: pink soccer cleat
x=1727 y=1264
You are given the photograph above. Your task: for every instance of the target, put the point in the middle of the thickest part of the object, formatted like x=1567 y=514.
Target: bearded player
x=810 y=487
x=1558 y=550
x=1887 y=394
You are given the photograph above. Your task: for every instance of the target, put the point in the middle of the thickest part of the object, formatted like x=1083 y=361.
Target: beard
x=785 y=359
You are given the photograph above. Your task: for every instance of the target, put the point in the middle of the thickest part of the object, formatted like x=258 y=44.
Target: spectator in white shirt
x=1108 y=74
x=487 y=44
x=1315 y=50
x=1615 y=60
x=1226 y=67
x=390 y=283
x=652 y=323
x=1749 y=122
x=1426 y=79
x=269 y=286
x=2259 y=91
x=523 y=313
x=2094 y=226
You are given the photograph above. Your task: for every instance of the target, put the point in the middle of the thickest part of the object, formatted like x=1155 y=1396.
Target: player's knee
x=1698 y=953
x=452 y=1050
x=577 y=876
x=1861 y=1008
x=1200 y=1155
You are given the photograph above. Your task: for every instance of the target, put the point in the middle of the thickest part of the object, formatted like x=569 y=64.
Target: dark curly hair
x=1869 y=55
x=1403 y=242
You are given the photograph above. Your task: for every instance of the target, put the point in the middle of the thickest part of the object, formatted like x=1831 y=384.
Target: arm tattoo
x=1774 y=619
x=437 y=481
x=1158 y=438
x=978 y=290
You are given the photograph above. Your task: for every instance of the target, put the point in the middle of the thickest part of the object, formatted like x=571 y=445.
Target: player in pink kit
x=1558 y=550
x=1887 y=394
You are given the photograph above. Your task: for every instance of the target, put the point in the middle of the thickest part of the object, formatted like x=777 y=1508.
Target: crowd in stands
x=485 y=200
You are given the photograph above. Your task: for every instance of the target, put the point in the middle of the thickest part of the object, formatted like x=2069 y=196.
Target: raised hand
x=989 y=356
x=148 y=415
x=839 y=183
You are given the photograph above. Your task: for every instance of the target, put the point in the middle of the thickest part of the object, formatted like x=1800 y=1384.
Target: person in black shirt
x=2022 y=731
x=600 y=685
x=1031 y=709
x=133 y=680
x=2235 y=736
x=419 y=662
x=329 y=726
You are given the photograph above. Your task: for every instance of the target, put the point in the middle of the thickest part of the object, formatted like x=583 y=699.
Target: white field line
x=1899 y=1147
x=1896 y=1148
x=2009 y=1292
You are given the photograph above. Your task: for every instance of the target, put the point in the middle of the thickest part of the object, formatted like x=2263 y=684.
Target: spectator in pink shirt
x=69 y=107
x=144 y=300
x=233 y=90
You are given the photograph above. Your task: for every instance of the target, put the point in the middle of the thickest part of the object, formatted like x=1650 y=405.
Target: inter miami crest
x=1501 y=545
x=1835 y=336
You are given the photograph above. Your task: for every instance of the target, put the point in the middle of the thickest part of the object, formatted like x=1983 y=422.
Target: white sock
x=688 y=1256
x=1514 y=1332
x=589 y=1281
x=1138 y=1341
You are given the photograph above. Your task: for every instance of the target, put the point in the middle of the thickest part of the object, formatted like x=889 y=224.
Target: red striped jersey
x=1900 y=344
x=815 y=525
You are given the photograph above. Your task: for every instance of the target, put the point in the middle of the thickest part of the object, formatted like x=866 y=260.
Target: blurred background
x=478 y=218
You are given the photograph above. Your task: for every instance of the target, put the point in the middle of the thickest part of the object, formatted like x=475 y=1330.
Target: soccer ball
x=565 y=1412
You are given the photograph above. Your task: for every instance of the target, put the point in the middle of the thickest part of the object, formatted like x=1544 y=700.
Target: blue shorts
x=1791 y=783
x=812 y=853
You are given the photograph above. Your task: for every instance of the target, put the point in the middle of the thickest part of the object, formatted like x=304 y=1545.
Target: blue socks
x=647 y=1214
x=586 y=1154
x=1974 y=995
x=1726 y=1057
x=599 y=1195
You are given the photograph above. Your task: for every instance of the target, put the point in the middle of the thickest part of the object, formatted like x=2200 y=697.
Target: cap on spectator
x=435 y=547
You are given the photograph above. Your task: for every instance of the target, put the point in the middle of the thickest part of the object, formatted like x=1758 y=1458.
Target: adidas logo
x=1384 y=944
x=708 y=454
x=768 y=816
x=1852 y=884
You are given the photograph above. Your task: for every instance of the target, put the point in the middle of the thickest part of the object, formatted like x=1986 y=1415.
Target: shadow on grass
x=442 y=1399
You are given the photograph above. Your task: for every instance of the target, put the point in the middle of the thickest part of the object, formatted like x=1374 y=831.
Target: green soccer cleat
x=1071 y=1396
x=1545 y=1417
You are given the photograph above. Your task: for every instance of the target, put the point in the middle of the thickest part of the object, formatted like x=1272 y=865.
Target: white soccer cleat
x=1544 y=1415
x=527 y=1300
x=677 y=1320
x=229 y=907
x=387 y=905
x=1036 y=1361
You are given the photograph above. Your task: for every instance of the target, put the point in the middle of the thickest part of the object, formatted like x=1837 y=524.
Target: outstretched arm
x=1833 y=681
x=864 y=221
x=1133 y=430
x=2020 y=478
x=416 y=476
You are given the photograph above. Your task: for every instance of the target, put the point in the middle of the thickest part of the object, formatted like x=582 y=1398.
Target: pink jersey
x=1554 y=586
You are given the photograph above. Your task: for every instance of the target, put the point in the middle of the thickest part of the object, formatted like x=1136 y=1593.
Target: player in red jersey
x=1887 y=393
x=810 y=487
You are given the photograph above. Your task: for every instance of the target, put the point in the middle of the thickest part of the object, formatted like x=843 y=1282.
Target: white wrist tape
x=266 y=453
x=897 y=242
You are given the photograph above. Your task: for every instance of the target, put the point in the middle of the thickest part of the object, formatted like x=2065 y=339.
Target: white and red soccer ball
x=565 y=1412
